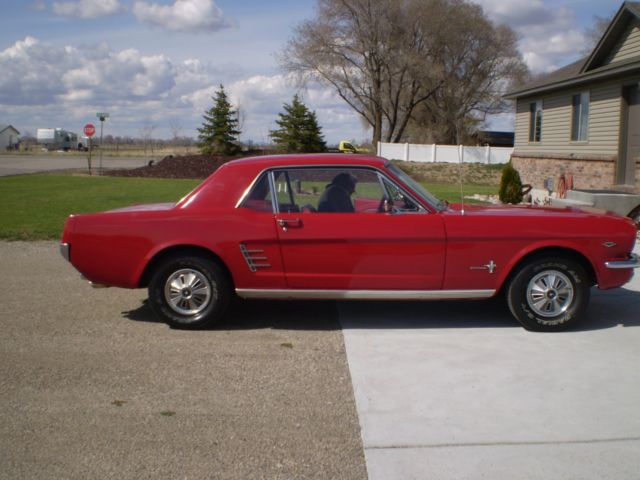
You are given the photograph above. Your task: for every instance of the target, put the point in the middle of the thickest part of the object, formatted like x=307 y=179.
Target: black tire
x=549 y=294
x=189 y=292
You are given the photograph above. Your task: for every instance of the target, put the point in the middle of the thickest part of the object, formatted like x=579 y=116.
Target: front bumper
x=632 y=262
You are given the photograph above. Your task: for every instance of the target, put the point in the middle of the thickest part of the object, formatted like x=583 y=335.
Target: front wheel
x=549 y=294
x=189 y=292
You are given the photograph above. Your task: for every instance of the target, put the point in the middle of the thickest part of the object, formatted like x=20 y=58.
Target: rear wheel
x=549 y=294
x=189 y=292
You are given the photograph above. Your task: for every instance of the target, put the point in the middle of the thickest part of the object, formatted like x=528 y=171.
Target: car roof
x=310 y=159
x=228 y=183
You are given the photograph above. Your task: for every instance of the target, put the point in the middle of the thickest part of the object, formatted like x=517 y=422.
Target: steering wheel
x=386 y=205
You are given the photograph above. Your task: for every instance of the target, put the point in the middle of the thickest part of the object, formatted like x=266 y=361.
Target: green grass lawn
x=34 y=207
x=451 y=192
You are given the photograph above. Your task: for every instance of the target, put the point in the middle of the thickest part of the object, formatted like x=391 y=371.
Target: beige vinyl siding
x=604 y=122
x=628 y=46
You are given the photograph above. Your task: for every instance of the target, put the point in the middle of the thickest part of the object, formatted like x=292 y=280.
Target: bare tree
x=389 y=58
x=146 y=132
x=480 y=62
x=594 y=33
x=175 y=128
x=241 y=116
x=370 y=52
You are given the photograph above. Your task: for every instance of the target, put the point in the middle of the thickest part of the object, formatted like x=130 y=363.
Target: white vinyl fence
x=444 y=153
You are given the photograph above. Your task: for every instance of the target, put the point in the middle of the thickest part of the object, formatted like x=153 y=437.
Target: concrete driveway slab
x=460 y=390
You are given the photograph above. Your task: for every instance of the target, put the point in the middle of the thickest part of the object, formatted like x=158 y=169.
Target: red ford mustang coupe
x=347 y=227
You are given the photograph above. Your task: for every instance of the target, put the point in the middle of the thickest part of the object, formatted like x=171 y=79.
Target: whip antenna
x=460 y=159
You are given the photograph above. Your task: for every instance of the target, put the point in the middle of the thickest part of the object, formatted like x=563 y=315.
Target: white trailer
x=57 y=139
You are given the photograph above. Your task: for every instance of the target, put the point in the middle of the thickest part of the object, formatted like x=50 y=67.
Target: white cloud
x=30 y=73
x=191 y=16
x=518 y=13
x=555 y=51
x=263 y=97
x=47 y=85
x=87 y=8
x=37 y=73
x=549 y=34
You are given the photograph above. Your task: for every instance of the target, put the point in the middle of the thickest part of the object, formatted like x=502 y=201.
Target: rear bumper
x=65 y=251
x=632 y=262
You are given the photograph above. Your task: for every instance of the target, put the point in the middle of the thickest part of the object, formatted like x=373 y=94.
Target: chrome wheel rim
x=188 y=292
x=550 y=293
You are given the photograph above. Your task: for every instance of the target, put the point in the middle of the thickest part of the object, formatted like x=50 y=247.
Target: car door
x=375 y=247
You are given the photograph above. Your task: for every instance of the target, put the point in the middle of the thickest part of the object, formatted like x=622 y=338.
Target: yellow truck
x=345 y=146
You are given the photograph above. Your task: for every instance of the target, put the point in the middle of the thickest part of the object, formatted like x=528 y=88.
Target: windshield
x=416 y=187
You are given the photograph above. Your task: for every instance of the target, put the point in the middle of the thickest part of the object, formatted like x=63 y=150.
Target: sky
x=154 y=65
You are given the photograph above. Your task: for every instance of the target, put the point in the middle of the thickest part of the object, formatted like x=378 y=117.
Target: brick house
x=583 y=120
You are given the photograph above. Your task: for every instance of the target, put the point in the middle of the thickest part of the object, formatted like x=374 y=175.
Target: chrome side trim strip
x=632 y=262
x=364 y=294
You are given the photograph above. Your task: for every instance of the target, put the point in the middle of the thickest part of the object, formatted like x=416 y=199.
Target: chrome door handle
x=285 y=223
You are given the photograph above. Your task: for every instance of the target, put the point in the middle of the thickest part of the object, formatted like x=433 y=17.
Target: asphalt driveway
x=48 y=162
x=92 y=387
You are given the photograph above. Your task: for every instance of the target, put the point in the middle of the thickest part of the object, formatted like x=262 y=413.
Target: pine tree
x=219 y=132
x=298 y=129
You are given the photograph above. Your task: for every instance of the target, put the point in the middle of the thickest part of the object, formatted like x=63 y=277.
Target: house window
x=535 y=121
x=580 y=117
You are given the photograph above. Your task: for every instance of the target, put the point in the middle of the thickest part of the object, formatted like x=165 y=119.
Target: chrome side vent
x=254 y=258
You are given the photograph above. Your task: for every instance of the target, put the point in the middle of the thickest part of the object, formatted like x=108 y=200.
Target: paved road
x=460 y=391
x=20 y=164
x=92 y=387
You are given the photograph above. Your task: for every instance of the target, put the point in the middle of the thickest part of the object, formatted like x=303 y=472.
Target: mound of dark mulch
x=186 y=166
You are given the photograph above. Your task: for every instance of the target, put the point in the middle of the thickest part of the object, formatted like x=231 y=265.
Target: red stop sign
x=89 y=129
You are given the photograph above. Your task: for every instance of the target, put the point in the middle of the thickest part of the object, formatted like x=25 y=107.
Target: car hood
x=149 y=207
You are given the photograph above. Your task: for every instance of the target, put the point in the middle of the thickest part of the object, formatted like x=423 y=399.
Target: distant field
x=451 y=173
x=118 y=151
x=34 y=207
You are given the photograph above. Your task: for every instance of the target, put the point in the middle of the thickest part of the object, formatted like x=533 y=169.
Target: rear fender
x=144 y=271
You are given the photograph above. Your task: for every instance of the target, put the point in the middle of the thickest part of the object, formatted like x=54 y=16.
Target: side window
x=335 y=190
x=285 y=196
x=328 y=190
x=580 y=117
x=535 y=121
x=259 y=198
x=398 y=201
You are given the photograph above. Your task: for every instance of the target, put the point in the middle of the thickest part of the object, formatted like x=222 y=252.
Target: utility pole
x=102 y=116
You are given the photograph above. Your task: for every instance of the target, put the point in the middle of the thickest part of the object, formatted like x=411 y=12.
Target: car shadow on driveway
x=263 y=314
x=609 y=309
